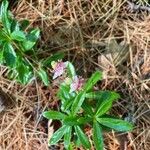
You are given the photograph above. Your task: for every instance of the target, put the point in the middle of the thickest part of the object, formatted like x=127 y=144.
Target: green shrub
x=82 y=106
x=18 y=49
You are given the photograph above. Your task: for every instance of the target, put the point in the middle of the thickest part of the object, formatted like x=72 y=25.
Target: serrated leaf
x=14 y=26
x=74 y=120
x=4 y=15
x=54 y=115
x=58 y=135
x=66 y=105
x=82 y=137
x=98 y=95
x=77 y=103
x=71 y=121
x=24 y=72
x=97 y=136
x=87 y=108
x=63 y=93
x=106 y=102
x=67 y=137
x=9 y=55
x=43 y=75
x=93 y=80
x=65 y=97
x=31 y=39
x=116 y=124
x=18 y=36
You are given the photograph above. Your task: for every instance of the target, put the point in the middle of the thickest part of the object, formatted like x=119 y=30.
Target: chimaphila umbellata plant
x=18 y=49
x=82 y=106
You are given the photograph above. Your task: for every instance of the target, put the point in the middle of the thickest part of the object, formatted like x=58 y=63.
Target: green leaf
x=9 y=55
x=77 y=141
x=77 y=103
x=4 y=15
x=96 y=95
x=116 y=124
x=24 y=24
x=34 y=35
x=74 y=120
x=66 y=105
x=54 y=115
x=14 y=26
x=71 y=147
x=58 y=135
x=106 y=95
x=67 y=137
x=93 y=80
x=43 y=75
x=84 y=120
x=63 y=93
x=71 y=121
x=106 y=99
x=55 y=57
x=87 y=108
x=71 y=70
x=82 y=137
x=65 y=97
x=24 y=72
x=18 y=36
x=97 y=136
x=3 y=35
x=31 y=39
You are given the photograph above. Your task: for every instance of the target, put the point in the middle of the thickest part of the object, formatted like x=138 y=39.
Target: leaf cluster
x=18 y=48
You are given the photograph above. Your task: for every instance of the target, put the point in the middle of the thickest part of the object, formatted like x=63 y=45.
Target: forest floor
x=108 y=35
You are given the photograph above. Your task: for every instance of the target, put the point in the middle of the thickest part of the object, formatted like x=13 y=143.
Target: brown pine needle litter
x=101 y=35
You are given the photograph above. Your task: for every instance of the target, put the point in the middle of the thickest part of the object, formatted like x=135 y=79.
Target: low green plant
x=81 y=106
x=18 y=49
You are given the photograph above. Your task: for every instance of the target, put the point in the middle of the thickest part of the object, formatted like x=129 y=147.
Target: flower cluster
x=75 y=82
x=58 y=68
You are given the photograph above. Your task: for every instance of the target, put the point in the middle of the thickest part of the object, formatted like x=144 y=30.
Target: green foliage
x=93 y=80
x=67 y=137
x=43 y=75
x=71 y=70
x=9 y=54
x=82 y=137
x=54 y=115
x=58 y=135
x=16 y=43
x=97 y=136
x=116 y=124
x=85 y=107
x=77 y=102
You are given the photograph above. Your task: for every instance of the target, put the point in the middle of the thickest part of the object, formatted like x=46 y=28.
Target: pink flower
x=76 y=84
x=59 y=68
